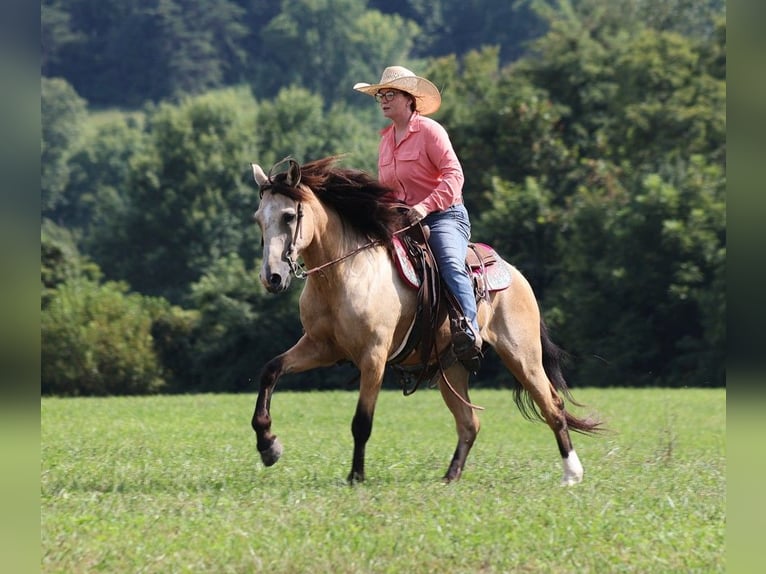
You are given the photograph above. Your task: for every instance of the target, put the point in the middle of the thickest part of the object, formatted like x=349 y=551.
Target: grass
x=174 y=484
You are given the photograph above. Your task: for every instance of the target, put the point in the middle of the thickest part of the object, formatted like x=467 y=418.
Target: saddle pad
x=498 y=273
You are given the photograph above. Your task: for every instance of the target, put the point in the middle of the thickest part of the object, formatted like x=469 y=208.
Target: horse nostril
x=275 y=279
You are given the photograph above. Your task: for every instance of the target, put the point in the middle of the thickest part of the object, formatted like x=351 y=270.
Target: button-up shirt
x=423 y=168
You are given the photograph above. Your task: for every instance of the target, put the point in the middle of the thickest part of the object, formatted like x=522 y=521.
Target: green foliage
x=95 y=340
x=502 y=126
x=57 y=33
x=325 y=46
x=646 y=267
x=235 y=329
x=460 y=26
x=521 y=223
x=63 y=113
x=189 y=199
x=295 y=124
x=119 y=52
x=240 y=327
x=99 y=170
x=667 y=95
x=629 y=93
x=61 y=261
x=292 y=124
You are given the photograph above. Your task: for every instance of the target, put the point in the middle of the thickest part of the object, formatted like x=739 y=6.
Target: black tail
x=553 y=357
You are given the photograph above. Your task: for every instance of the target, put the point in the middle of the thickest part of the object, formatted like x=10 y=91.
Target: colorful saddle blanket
x=489 y=272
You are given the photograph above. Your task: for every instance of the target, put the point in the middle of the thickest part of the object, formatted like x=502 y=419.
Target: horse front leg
x=306 y=354
x=269 y=446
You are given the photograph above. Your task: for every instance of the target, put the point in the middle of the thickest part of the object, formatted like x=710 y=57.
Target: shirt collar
x=412 y=126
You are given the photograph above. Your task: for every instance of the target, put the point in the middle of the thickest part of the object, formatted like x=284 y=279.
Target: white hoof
x=271 y=455
x=573 y=470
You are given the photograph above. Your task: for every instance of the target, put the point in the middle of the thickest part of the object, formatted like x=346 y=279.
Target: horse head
x=280 y=218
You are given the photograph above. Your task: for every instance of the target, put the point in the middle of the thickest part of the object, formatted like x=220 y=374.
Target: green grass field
x=174 y=484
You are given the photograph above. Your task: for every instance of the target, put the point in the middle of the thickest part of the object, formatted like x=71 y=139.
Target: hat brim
x=427 y=96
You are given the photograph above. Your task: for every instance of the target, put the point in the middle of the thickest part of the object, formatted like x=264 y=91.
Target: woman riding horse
x=355 y=307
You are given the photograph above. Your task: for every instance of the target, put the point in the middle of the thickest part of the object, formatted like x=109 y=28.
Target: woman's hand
x=415 y=214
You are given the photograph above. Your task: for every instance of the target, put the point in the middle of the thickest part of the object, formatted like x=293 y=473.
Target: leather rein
x=299 y=270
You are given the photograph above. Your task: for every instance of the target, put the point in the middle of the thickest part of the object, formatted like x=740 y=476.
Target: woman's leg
x=450 y=231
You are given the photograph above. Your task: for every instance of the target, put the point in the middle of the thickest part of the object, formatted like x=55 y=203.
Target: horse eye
x=288 y=217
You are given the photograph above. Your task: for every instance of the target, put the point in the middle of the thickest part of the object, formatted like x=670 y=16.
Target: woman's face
x=394 y=104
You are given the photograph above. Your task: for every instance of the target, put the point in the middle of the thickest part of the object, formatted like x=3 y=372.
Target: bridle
x=296 y=268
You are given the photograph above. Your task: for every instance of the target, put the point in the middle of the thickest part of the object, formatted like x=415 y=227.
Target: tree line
x=593 y=145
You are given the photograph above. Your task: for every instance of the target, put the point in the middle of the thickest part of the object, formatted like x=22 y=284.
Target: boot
x=466 y=344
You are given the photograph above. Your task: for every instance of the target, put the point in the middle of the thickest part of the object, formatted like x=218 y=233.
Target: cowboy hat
x=427 y=97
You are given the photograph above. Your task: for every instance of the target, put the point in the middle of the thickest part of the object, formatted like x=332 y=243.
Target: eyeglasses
x=388 y=96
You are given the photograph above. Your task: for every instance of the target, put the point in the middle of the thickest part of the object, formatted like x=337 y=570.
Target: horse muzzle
x=275 y=282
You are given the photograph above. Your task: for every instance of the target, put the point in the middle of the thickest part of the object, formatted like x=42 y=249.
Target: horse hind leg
x=573 y=470
x=537 y=398
x=454 y=390
x=551 y=409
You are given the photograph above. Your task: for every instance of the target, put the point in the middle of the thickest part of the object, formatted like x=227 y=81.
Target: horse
x=355 y=307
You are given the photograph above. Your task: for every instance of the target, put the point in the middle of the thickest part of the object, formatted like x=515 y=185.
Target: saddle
x=418 y=269
x=482 y=261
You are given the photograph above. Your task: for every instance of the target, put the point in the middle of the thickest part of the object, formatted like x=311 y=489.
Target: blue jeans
x=450 y=233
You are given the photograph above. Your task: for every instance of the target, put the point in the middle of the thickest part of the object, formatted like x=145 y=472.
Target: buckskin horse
x=356 y=306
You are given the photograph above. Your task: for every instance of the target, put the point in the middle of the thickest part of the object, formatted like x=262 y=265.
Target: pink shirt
x=423 y=169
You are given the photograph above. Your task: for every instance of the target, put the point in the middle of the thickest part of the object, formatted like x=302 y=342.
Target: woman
x=416 y=159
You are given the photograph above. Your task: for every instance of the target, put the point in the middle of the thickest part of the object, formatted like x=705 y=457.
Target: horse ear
x=259 y=175
x=293 y=174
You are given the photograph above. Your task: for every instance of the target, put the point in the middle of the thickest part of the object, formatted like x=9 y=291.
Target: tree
x=666 y=95
x=98 y=175
x=501 y=126
x=456 y=27
x=644 y=293
x=325 y=46
x=128 y=53
x=241 y=326
x=95 y=340
x=295 y=124
x=56 y=32
x=623 y=87
x=63 y=114
x=189 y=197
x=60 y=260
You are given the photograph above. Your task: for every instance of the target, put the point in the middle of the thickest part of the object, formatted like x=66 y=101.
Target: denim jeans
x=450 y=233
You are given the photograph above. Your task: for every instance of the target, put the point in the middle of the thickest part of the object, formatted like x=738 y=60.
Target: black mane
x=362 y=202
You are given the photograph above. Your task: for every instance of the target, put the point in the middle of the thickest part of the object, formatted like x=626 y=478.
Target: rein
x=300 y=272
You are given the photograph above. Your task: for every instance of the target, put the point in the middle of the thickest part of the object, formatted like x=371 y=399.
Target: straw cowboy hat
x=427 y=97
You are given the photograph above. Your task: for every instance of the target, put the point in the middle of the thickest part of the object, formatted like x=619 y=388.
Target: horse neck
x=330 y=240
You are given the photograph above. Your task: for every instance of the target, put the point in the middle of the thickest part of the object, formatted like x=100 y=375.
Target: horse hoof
x=571 y=480
x=355 y=477
x=272 y=453
x=572 y=470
